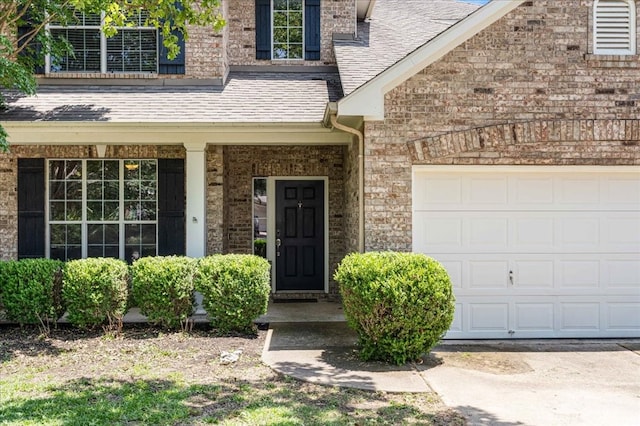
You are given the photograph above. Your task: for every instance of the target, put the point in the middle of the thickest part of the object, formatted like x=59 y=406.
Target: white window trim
x=84 y=222
x=103 y=49
x=304 y=24
x=632 y=31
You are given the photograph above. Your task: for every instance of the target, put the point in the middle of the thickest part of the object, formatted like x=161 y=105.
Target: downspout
x=334 y=122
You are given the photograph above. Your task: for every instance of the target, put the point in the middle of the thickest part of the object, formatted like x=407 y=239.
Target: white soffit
x=368 y=99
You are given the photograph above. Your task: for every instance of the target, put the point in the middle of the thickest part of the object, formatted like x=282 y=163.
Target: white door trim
x=271 y=226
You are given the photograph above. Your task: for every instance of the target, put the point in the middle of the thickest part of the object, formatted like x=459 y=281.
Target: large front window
x=102 y=208
x=288 y=29
x=133 y=49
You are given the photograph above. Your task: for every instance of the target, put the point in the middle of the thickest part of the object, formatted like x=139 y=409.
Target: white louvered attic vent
x=614 y=27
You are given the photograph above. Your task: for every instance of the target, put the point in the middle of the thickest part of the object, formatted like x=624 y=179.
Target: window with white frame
x=288 y=29
x=133 y=49
x=614 y=27
x=102 y=208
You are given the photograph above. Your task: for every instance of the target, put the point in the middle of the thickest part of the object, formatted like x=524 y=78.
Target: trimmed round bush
x=163 y=288
x=235 y=290
x=400 y=304
x=31 y=290
x=95 y=291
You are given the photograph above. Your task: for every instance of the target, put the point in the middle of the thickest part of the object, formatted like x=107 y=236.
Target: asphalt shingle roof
x=396 y=28
x=247 y=97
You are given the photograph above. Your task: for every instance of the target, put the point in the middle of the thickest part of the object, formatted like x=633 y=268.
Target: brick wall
x=351 y=197
x=243 y=163
x=338 y=16
x=533 y=69
x=9 y=178
x=215 y=200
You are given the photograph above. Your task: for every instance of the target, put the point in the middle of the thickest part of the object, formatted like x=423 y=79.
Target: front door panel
x=300 y=235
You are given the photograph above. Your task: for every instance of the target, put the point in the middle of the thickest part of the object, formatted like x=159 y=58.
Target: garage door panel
x=583 y=274
x=623 y=316
x=622 y=193
x=533 y=274
x=532 y=190
x=488 y=274
x=580 y=316
x=488 y=317
x=623 y=273
x=535 y=252
x=487 y=233
x=488 y=191
x=534 y=317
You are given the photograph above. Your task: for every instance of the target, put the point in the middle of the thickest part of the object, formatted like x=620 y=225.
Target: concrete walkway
x=492 y=383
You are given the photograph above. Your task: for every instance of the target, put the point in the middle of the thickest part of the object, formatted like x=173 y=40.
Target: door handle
x=278 y=244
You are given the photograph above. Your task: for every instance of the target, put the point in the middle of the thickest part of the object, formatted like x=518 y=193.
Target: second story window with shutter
x=288 y=29
x=614 y=27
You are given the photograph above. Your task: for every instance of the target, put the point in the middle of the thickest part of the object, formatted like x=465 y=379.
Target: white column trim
x=196 y=198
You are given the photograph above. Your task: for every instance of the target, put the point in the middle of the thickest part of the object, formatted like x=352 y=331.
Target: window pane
x=95 y=234
x=111 y=234
x=295 y=4
x=94 y=190
x=280 y=19
x=111 y=211
x=148 y=170
x=111 y=170
x=280 y=4
x=111 y=190
x=279 y=35
x=56 y=170
x=112 y=251
x=56 y=211
x=74 y=190
x=56 y=190
x=58 y=234
x=148 y=234
x=148 y=211
x=94 y=170
x=94 y=210
x=295 y=52
x=132 y=190
x=74 y=234
x=73 y=170
x=295 y=35
x=132 y=234
x=74 y=211
x=295 y=19
x=95 y=251
x=148 y=251
x=74 y=252
x=148 y=190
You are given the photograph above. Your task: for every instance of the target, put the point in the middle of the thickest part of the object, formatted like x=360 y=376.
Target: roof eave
x=368 y=100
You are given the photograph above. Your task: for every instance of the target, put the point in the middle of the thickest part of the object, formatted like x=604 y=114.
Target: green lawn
x=149 y=377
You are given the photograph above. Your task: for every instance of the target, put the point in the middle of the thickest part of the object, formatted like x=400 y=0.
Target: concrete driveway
x=546 y=382
x=539 y=382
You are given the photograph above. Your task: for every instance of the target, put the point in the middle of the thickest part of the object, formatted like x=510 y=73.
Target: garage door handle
x=511 y=277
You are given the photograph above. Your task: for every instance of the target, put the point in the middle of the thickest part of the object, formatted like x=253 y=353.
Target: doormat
x=295 y=300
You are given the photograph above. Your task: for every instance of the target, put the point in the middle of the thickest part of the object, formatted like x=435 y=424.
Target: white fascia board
x=368 y=99
x=92 y=133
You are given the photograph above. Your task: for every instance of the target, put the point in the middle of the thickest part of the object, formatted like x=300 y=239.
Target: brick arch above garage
x=548 y=142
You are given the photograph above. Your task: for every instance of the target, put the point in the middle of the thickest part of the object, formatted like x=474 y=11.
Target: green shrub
x=400 y=304
x=163 y=289
x=235 y=290
x=95 y=291
x=31 y=290
x=260 y=247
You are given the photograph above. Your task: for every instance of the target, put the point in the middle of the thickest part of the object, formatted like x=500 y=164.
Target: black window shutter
x=312 y=30
x=171 y=224
x=263 y=29
x=31 y=222
x=171 y=66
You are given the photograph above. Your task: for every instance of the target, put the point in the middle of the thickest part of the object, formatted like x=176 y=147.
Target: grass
x=149 y=377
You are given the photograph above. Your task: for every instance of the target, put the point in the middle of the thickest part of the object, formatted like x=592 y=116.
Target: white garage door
x=534 y=252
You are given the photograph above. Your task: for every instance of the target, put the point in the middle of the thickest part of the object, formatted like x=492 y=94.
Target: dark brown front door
x=300 y=235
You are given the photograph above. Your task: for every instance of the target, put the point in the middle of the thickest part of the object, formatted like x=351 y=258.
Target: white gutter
x=360 y=136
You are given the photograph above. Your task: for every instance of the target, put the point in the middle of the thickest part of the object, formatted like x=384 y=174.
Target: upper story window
x=614 y=23
x=288 y=29
x=132 y=49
